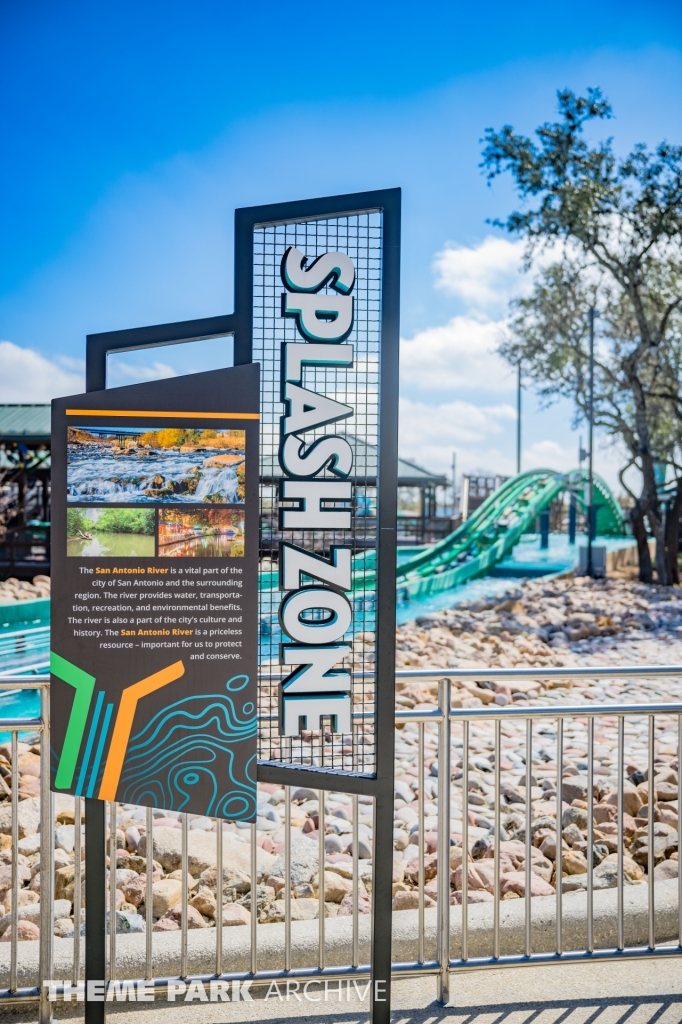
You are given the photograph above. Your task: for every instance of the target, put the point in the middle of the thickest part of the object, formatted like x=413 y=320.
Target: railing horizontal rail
x=542 y=672
x=408 y=969
x=21 y=995
x=554 y=711
x=18 y=682
x=493 y=713
x=536 y=672
x=33 y=667
x=28 y=631
x=572 y=956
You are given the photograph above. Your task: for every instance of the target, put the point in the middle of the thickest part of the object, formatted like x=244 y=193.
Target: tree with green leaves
x=616 y=225
x=126 y=520
x=77 y=524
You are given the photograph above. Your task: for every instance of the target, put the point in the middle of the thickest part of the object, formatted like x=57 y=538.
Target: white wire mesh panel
x=359 y=236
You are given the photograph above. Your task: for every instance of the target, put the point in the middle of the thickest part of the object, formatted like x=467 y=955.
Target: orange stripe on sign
x=166 y=415
x=124 y=723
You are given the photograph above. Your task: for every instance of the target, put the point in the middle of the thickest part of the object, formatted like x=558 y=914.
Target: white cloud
x=548 y=454
x=71 y=364
x=27 y=376
x=609 y=457
x=129 y=373
x=430 y=432
x=459 y=355
x=485 y=276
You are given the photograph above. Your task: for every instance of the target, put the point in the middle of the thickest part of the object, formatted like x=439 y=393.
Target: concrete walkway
x=645 y=992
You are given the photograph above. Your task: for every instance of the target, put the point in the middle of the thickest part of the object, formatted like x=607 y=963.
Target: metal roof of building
x=412 y=475
x=24 y=423
x=32 y=423
x=365 y=468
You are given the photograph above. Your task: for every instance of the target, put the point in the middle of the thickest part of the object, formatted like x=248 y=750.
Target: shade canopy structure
x=364 y=468
x=410 y=475
x=24 y=489
x=27 y=424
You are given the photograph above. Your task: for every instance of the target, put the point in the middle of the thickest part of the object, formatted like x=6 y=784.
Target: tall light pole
x=454 y=482
x=590 y=449
x=518 y=419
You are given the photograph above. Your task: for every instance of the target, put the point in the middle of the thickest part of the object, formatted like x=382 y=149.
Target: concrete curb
x=130 y=949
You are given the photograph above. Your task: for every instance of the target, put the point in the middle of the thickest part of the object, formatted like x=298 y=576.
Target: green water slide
x=488 y=535
x=494 y=529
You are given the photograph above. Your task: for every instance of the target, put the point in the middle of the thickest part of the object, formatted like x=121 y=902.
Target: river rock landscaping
x=544 y=623
x=13 y=589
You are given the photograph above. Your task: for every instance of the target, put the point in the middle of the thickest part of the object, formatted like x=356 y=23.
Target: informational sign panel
x=155 y=593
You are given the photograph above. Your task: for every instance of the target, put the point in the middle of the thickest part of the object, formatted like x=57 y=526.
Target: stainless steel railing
x=26 y=649
x=442 y=729
x=560 y=713
x=39 y=726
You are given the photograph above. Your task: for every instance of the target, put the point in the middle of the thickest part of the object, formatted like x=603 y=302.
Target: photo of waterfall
x=161 y=465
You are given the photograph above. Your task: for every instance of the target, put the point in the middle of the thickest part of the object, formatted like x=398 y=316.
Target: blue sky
x=132 y=131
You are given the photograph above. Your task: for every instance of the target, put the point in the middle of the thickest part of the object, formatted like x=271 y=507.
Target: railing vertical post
x=679 y=873
x=356 y=883
x=95 y=905
x=95 y=829
x=465 y=840
x=287 y=878
x=46 y=862
x=14 y=923
x=321 y=826
x=77 y=900
x=254 y=898
x=184 y=969
x=112 y=890
x=496 y=869
x=219 y=897
x=558 y=871
x=650 y=851
x=149 y=894
x=527 y=946
x=420 y=833
x=444 y=842
x=621 y=800
x=590 y=835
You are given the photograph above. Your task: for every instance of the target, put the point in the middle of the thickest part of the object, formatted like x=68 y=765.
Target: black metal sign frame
x=379 y=784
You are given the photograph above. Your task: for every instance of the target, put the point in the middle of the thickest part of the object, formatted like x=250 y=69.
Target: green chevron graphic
x=84 y=685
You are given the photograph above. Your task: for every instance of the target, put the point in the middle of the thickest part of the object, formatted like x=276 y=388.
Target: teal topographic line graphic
x=193 y=746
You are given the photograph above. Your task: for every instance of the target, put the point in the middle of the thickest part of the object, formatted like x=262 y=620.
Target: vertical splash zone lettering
x=316 y=616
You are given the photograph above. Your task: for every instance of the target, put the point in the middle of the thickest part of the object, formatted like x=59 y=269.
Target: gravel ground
x=13 y=589
x=563 y=622
x=569 y=621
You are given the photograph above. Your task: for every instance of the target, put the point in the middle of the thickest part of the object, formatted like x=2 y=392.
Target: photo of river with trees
x=166 y=465
x=110 y=532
